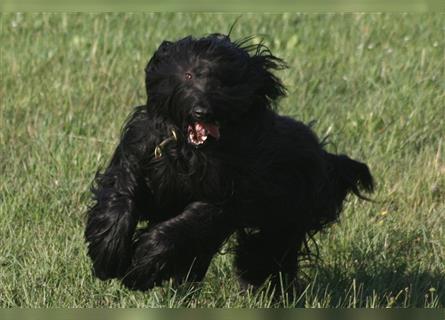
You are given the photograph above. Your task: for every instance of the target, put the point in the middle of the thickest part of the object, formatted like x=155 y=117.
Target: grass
x=374 y=83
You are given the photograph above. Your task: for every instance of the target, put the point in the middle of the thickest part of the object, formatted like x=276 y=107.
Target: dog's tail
x=345 y=176
x=349 y=175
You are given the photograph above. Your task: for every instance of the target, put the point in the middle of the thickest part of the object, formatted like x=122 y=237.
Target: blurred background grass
x=373 y=82
x=278 y=6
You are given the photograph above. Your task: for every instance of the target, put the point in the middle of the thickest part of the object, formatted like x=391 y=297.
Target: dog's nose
x=200 y=113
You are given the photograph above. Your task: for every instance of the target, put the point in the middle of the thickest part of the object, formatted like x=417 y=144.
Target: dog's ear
x=161 y=52
x=263 y=64
x=163 y=48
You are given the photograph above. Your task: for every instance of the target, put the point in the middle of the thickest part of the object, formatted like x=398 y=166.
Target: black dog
x=206 y=157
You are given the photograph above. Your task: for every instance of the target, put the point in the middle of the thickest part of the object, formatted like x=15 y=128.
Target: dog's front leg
x=180 y=248
x=120 y=196
x=112 y=219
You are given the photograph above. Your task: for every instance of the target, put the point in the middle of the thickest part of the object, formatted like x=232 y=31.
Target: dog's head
x=208 y=84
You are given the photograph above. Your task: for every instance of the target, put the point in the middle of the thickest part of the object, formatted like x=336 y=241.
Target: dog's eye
x=188 y=76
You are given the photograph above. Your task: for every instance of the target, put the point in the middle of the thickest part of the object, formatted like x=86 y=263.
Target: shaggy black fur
x=234 y=166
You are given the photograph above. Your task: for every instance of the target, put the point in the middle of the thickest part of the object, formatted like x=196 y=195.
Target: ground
x=373 y=82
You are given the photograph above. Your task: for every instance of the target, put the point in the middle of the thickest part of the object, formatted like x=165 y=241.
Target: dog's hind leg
x=180 y=248
x=268 y=253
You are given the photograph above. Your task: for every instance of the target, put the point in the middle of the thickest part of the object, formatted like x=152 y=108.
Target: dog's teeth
x=197 y=133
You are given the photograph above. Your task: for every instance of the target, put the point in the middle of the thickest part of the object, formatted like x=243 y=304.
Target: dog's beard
x=198 y=132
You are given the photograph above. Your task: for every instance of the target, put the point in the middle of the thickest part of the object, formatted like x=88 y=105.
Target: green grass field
x=374 y=83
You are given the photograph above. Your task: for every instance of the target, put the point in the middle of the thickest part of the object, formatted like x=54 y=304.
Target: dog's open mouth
x=198 y=132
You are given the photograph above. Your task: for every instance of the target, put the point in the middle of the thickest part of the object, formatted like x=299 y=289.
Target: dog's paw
x=162 y=254
x=153 y=262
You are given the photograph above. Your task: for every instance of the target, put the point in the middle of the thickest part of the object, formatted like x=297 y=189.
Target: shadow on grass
x=378 y=285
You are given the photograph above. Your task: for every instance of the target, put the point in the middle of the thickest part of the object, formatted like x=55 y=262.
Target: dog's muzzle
x=199 y=131
x=202 y=126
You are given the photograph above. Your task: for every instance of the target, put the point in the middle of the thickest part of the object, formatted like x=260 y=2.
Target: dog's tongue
x=212 y=129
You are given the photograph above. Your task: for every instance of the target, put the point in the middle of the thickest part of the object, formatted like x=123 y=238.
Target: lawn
x=375 y=83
